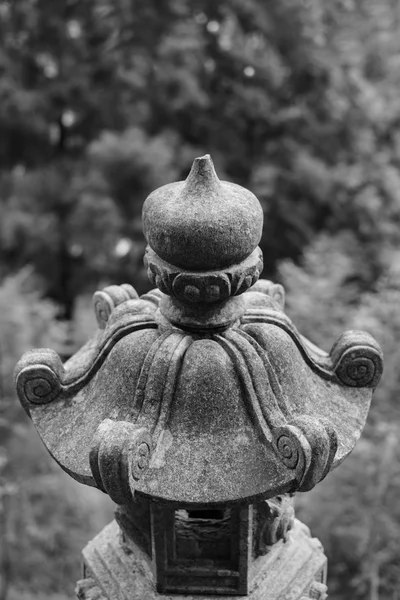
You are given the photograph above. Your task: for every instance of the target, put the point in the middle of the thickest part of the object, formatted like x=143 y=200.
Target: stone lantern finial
x=202 y=235
x=200 y=410
x=202 y=224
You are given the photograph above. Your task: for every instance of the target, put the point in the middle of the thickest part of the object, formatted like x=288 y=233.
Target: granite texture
x=202 y=223
x=86 y=589
x=227 y=538
x=293 y=570
x=273 y=520
x=201 y=395
x=231 y=413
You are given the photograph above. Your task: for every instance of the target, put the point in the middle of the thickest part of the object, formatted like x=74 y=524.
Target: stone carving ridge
x=157 y=381
x=303 y=444
x=355 y=360
x=40 y=377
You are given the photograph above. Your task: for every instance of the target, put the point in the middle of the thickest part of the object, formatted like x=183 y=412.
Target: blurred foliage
x=101 y=102
x=45 y=517
x=354 y=511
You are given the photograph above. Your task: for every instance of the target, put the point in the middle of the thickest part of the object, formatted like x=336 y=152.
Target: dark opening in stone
x=205 y=514
x=201 y=550
x=204 y=536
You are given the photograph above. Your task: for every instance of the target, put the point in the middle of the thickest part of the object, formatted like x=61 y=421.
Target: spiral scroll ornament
x=106 y=300
x=356 y=370
x=41 y=385
x=273 y=290
x=38 y=376
x=102 y=306
x=358 y=360
x=289 y=450
x=119 y=456
x=293 y=449
x=307 y=446
x=139 y=459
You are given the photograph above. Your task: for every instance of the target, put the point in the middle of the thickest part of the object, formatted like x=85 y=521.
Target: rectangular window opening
x=202 y=550
x=204 y=538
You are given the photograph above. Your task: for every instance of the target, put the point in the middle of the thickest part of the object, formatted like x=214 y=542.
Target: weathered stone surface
x=86 y=589
x=256 y=396
x=287 y=572
x=202 y=223
x=273 y=520
x=202 y=395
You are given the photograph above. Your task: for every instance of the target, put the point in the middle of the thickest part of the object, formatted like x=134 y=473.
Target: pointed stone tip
x=202 y=174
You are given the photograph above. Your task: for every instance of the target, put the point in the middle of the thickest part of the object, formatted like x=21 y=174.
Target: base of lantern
x=114 y=570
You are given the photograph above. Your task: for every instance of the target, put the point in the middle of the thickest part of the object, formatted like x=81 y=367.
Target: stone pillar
x=200 y=410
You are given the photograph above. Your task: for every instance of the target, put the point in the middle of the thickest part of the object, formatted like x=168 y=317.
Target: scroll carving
x=41 y=378
x=38 y=377
x=308 y=446
x=292 y=448
x=106 y=300
x=276 y=291
x=119 y=456
x=355 y=360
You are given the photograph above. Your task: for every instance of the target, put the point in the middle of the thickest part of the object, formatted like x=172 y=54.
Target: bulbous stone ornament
x=200 y=410
x=202 y=223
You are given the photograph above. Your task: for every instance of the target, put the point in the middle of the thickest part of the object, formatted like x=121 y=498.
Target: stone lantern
x=200 y=410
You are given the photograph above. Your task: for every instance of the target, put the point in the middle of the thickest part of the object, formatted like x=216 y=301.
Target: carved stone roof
x=251 y=411
x=201 y=391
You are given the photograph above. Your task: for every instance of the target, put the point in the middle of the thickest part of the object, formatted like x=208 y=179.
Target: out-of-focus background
x=101 y=101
